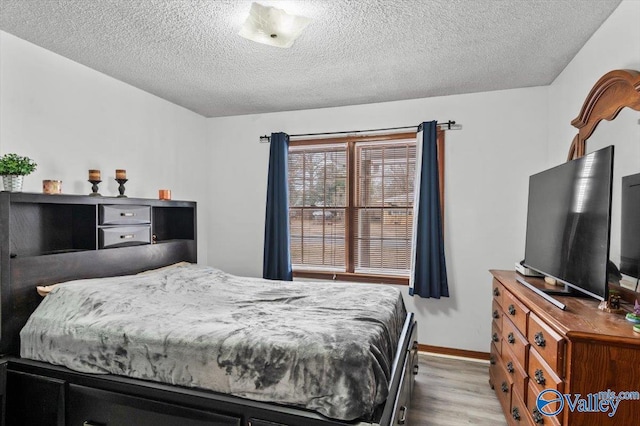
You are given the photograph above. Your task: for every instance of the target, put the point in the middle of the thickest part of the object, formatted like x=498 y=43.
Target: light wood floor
x=453 y=392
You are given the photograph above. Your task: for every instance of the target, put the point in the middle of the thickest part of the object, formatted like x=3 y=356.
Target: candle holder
x=121 y=187
x=94 y=187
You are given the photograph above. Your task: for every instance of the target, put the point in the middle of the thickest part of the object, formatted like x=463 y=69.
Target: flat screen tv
x=630 y=221
x=569 y=223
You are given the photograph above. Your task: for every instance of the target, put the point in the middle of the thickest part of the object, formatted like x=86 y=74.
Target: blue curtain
x=428 y=269
x=277 y=251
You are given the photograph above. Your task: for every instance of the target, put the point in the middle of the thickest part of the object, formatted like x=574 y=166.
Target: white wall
x=70 y=118
x=616 y=45
x=487 y=167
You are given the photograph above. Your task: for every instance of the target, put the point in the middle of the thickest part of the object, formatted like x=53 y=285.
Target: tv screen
x=569 y=222
x=630 y=221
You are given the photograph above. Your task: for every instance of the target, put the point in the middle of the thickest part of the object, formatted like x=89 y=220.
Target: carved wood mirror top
x=614 y=91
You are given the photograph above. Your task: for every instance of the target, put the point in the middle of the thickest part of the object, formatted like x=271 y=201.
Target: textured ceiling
x=353 y=52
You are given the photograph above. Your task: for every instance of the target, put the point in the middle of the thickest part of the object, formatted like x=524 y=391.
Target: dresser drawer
x=95 y=406
x=494 y=364
x=497 y=291
x=403 y=399
x=519 y=415
x=496 y=337
x=122 y=236
x=515 y=311
x=516 y=371
x=548 y=343
x=118 y=214
x=541 y=419
x=496 y=314
x=503 y=387
x=514 y=340
x=542 y=376
x=34 y=400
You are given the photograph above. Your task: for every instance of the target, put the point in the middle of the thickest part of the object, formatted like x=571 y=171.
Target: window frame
x=350 y=209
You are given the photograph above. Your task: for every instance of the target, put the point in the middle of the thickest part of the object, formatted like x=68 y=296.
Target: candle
x=52 y=186
x=94 y=174
x=121 y=174
x=164 y=194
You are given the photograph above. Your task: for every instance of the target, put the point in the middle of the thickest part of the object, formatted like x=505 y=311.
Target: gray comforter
x=327 y=347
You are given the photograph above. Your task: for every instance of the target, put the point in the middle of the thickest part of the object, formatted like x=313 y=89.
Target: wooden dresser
x=582 y=350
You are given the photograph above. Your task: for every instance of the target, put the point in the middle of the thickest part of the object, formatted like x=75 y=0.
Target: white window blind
x=384 y=207
x=351 y=206
x=317 y=206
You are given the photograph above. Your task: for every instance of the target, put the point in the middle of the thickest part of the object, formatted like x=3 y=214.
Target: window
x=318 y=206
x=351 y=207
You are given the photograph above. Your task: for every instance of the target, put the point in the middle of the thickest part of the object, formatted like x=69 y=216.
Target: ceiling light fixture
x=272 y=26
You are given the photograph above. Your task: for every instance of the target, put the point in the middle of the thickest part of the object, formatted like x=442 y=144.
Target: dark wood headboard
x=47 y=239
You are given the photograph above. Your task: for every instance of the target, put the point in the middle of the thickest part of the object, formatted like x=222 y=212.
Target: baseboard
x=462 y=353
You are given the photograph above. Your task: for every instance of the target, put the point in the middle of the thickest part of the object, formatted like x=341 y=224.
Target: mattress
x=323 y=346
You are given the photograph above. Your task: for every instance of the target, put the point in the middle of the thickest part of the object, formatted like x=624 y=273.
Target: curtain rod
x=448 y=125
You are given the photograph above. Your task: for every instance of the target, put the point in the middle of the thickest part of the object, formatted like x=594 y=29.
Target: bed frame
x=46 y=239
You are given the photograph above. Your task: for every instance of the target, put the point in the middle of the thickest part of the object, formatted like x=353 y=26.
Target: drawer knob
x=415 y=369
x=537 y=417
x=495 y=314
x=515 y=413
x=539 y=339
x=127 y=214
x=504 y=387
x=492 y=360
x=126 y=236
x=494 y=337
x=511 y=338
x=510 y=367
x=402 y=419
x=539 y=376
x=496 y=292
x=512 y=310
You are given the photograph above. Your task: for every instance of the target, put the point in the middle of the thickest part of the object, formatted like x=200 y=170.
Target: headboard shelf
x=46 y=239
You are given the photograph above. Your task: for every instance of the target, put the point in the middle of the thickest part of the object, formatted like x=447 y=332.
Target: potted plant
x=13 y=168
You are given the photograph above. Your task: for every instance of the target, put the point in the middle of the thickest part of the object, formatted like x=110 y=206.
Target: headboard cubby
x=47 y=239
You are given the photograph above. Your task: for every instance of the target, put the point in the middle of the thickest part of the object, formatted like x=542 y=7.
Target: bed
x=67 y=389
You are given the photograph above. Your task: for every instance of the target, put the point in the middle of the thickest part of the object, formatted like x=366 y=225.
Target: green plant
x=14 y=164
